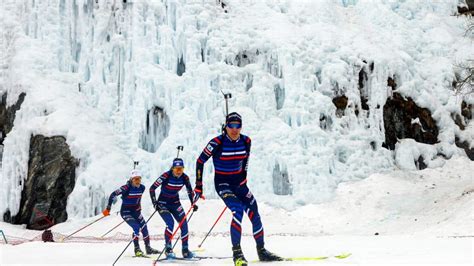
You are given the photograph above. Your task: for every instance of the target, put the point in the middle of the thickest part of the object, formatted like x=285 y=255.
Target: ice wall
x=102 y=65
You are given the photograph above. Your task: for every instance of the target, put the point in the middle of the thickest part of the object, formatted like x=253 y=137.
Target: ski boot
x=187 y=254
x=169 y=252
x=265 y=255
x=239 y=259
x=138 y=252
x=149 y=250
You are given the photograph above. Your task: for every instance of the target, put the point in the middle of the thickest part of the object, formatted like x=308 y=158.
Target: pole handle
x=179 y=148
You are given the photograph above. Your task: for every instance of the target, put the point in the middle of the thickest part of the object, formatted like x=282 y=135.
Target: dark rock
x=466 y=110
x=469 y=9
x=51 y=178
x=325 y=122
x=341 y=103
x=243 y=58
x=181 y=67
x=279 y=95
x=391 y=83
x=420 y=163
x=458 y=121
x=363 y=78
x=281 y=181
x=466 y=147
x=7 y=115
x=398 y=114
x=157 y=129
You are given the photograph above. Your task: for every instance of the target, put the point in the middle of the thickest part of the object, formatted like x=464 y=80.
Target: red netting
x=117 y=237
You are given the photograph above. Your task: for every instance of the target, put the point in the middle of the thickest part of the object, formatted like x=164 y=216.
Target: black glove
x=195 y=208
x=157 y=206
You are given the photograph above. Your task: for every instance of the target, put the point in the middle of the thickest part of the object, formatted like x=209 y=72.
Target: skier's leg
x=250 y=204
x=130 y=220
x=178 y=214
x=168 y=218
x=144 y=229
x=251 y=207
x=146 y=236
x=236 y=207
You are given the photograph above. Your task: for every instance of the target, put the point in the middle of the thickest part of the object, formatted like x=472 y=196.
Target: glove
x=195 y=208
x=197 y=195
x=156 y=206
x=106 y=212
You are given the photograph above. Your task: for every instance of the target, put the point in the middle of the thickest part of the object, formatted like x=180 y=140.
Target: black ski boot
x=149 y=250
x=187 y=254
x=169 y=252
x=265 y=255
x=239 y=259
x=138 y=252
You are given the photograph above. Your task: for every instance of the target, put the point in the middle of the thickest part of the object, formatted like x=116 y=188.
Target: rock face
x=281 y=181
x=157 y=129
x=404 y=119
x=341 y=103
x=469 y=9
x=466 y=147
x=7 y=115
x=51 y=178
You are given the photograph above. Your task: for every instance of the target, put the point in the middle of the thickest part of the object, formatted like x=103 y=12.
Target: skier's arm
x=207 y=153
x=114 y=195
x=245 y=162
x=155 y=185
x=189 y=188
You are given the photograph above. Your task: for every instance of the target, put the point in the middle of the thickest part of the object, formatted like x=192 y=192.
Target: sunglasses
x=234 y=125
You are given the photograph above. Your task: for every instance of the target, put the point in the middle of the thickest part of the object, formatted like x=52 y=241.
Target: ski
x=178 y=259
x=197 y=258
x=213 y=257
x=141 y=256
x=340 y=256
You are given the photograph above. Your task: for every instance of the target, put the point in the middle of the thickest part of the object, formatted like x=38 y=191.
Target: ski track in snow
x=425 y=219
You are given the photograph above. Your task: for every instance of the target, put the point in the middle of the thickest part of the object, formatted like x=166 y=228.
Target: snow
x=420 y=217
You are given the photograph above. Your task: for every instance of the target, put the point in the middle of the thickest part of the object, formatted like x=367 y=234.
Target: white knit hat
x=135 y=173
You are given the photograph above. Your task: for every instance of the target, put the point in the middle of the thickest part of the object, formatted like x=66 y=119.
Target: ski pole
x=179 y=148
x=175 y=231
x=208 y=233
x=177 y=239
x=84 y=227
x=112 y=229
x=132 y=239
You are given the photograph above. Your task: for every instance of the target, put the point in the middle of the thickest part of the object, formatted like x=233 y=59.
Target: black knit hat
x=233 y=117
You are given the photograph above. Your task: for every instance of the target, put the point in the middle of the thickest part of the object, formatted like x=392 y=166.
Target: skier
x=131 y=210
x=169 y=206
x=230 y=152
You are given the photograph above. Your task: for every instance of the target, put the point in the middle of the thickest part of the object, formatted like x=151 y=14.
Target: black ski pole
x=179 y=148
x=227 y=96
x=132 y=239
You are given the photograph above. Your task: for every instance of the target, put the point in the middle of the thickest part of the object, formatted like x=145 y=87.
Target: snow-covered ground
x=406 y=217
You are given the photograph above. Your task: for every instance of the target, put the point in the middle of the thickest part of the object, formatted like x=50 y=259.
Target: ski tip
x=343 y=255
x=199 y=250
